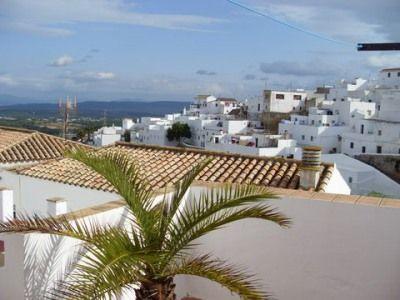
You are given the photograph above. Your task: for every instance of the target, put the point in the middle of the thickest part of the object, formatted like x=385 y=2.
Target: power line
x=272 y=18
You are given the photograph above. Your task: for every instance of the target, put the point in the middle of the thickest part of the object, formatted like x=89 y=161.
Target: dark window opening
x=297 y=97
x=280 y=96
x=351 y=145
x=378 y=149
x=363 y=149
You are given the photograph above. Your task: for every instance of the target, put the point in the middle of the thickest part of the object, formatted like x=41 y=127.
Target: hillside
x=96 y=109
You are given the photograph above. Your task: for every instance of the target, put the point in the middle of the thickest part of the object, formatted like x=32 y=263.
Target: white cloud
x=7 y=80
x=103 y=75
x=55 y=17
x=62 y=61
x=336 y=20
x=384 y=61
x=89 y=76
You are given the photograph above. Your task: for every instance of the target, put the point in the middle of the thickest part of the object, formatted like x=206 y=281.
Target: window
x=216 y=104
x=378 y=149
x=311 y=138
x=350 y=179
x=363 y=149
x=351 y=145
x=342 y=99
x=297 y=97
x=312 y=122
x=258 y=107
x=280 y=96
x=379 y=107
x=303 y=137
x=369 y=100
x=379 y=132
x=398 y=74
x=362 y=129
x=294 y=108
x=334 y=99
x=388 y=74
x=334 y=150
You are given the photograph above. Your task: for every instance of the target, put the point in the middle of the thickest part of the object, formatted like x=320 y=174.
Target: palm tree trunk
x=156 y=290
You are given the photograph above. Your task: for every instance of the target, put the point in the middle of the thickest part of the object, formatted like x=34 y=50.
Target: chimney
x=310 y=167
x=6 y=204
x=56 y=206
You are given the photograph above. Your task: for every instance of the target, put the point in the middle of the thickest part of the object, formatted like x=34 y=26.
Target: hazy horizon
x=156 y=50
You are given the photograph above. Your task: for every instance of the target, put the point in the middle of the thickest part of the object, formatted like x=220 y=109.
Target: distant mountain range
x=93 y=109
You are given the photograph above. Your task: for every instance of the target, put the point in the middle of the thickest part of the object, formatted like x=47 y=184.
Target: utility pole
x=105 y=118
x=65 y=109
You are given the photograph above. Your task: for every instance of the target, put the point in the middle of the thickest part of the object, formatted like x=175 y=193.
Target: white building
x=107 y=135
x=327 y=234
x=127 y=124
x=325 y=125
x=211 y=105
x=362 y=179
x=277 y=101
x=379 y=133
x=257 y=144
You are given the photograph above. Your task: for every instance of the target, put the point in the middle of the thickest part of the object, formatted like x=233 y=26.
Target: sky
x=175 y=49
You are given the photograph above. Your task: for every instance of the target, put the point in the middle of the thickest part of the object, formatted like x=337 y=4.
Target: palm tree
x=153 y=246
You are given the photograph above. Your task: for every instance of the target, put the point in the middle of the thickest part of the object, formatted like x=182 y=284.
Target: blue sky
x=174 y=49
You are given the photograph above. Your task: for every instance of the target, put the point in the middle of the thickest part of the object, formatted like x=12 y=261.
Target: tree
x=127 y=136
x=146 y=253
x=178 y=131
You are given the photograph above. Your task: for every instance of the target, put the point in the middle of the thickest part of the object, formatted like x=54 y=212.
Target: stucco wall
x=30 y=193
x=333 y=251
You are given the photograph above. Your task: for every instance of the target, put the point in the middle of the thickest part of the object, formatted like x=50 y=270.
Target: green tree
x=146 y=253
x=178 y=131
x=127 y=136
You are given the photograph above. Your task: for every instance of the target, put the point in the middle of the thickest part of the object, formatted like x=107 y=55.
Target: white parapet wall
x=339 y=247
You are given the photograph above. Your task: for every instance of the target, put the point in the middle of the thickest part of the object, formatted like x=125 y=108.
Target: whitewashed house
x=277 y=101
x=325 y=125
x=211 y=105
x=258 y=144
x=379 y=133
x=328 y=232
x=107 y=135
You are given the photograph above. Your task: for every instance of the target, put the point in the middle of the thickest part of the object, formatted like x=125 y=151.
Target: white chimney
x=56 y=206
x=6 y=204
x=310 y=168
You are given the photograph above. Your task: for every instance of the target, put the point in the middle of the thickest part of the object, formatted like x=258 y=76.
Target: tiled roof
x=20 y=145
x=165 y=165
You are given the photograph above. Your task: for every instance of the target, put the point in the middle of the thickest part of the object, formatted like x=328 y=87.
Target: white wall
x=333 y=251
x=30 y=194
x=360 y=177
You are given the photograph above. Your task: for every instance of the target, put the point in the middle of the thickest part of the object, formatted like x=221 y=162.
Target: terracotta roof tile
x=20 y=145
x=163 y=166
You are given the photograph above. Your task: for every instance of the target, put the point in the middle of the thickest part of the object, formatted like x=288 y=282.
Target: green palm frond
x=169 y=206
x=71 y=226
x=218 y=207
x=123 y=174
x=107 y=266
x=151 y=246
x=233 y=279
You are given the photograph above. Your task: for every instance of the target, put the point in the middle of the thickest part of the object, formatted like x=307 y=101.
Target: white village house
x=329 y=232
